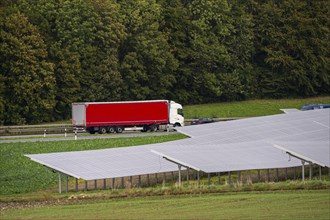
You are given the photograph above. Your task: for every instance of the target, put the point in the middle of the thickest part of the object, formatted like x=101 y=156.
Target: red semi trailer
x=110 y=117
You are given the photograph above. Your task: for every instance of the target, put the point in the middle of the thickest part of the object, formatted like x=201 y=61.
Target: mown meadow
x=18 y=174
x=297 y=204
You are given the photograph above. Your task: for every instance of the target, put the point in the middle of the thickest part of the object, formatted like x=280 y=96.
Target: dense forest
x=53 y=53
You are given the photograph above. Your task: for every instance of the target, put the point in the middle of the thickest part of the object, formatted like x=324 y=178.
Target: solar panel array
x=249 y=143
x=312 y=151
x=224 y=146
x=250 y=129
x=107 y=163
x=289 y=110
x=229 y=157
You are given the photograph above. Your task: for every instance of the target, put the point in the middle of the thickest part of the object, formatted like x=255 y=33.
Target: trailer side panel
x=126 y=114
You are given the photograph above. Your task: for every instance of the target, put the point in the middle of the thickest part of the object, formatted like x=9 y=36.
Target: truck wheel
x=177 y=125
x=153 y=128
x=119 y=129
x=145 y=128
x=102 y=130
x=91 y=130
x=111 y=130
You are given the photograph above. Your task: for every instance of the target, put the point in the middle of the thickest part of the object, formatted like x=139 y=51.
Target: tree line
x=54 y=53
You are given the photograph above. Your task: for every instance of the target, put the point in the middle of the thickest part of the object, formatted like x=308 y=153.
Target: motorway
x=80 y=136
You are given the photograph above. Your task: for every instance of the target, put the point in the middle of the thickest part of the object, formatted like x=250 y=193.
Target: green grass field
x=18 y=174
x=249 y=108
x=300 y=204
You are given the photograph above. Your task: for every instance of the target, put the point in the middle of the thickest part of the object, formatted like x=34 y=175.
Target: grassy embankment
x=249 y=108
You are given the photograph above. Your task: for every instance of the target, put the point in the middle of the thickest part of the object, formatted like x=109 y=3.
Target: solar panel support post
x=277 y=175
x=113 y=183
x=164 y=179
x=156 y=178
x=104 y=184
x=188 y=175
x=286 y=173
x=122 y=182
x=209 y=178
x=258 y=175
x=139 y=183
x=268 y=176
x=219 y=178
x=229 y=178
x=76 y=184
x=320 y=172
x=179 y=168
x=66 y=183
x=95 y=184
x=131 y=181
x=59 y=183
x=310 y=171
x=198 y=179
x=294 y=173
x=86 y=185
x=239 y=176
x=148 y=180
x=249 y=178
x=303 y=170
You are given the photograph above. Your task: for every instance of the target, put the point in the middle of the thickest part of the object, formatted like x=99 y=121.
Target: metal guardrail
x=35 y=129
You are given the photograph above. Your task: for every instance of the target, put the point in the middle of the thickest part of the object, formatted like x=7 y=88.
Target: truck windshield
x=180 y=111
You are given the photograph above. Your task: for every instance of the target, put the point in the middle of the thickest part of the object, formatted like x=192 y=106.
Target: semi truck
x=111 y=117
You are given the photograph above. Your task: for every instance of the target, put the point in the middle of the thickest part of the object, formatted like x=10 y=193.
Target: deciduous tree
x=29 y=82
x=147 y=64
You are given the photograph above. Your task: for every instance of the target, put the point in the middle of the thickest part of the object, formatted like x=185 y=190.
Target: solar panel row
x=107 y=163
x=249 y=143
x=317 y=152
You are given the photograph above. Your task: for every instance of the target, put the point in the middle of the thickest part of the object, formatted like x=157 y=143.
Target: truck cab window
x=180 y=111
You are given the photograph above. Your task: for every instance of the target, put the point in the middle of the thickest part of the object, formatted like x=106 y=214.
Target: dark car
x=201 y=121
x=314 y=106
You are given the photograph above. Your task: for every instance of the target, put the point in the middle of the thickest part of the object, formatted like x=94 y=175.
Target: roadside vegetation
x=251 y=108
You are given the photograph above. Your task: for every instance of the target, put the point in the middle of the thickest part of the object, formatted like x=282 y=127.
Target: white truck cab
x=176 y=117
